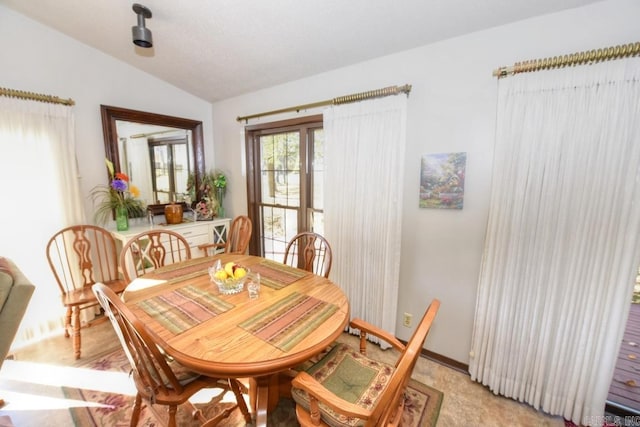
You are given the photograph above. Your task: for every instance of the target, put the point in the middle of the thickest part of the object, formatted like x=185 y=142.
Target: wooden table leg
x=265 y=397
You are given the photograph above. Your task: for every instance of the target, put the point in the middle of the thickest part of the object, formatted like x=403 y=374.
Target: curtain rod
x=143 y=135
x=377 y=93
x=13 y=93
x=579 y=58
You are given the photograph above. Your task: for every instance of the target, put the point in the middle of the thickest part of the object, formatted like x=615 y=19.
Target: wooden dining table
x=296 y=316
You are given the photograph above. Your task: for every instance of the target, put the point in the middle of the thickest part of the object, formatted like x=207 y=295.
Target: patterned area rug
x=114 y=410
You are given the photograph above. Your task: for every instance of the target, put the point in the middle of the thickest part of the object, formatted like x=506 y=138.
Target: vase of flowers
x=119 y=198
x=122 y=219
x=220 y=184
x=211 y=191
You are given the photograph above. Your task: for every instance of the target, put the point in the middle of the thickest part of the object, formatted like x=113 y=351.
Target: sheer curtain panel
x=364 y=158
x=41 y=194
x=562 y=246
x=139 y=166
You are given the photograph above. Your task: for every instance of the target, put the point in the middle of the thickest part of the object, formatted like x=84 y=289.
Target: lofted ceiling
x=217 y=49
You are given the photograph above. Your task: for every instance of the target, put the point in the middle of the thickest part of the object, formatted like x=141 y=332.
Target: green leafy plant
x=119 y=193
x=211 y=191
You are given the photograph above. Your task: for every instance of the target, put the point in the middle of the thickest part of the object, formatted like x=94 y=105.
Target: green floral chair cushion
x=306 y=365
x=182 y=373
x=351 y=376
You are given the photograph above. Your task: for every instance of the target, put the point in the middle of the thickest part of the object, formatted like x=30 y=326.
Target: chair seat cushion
x=351 y=376
x=183 y=374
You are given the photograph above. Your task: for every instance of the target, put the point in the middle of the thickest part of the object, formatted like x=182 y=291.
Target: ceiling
x=217 y=49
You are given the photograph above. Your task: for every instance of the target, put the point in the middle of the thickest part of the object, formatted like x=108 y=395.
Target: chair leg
x=172 y=415
x=135 y=414
x=235 y=387
x=67 y=323
x=76 y=332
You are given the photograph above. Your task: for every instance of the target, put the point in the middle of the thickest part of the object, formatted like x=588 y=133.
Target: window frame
x=169 y=142
x=252 y=136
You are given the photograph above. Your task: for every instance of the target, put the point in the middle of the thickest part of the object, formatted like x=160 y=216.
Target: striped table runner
x=184 y=308
x=277 y=275
x=184 y=270
x=289 y=321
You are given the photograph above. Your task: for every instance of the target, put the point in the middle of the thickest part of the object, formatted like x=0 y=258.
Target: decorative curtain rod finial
x=21 y=94
x=579 y=58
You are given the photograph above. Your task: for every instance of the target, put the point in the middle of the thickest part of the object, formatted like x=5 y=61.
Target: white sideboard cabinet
x=196 y=233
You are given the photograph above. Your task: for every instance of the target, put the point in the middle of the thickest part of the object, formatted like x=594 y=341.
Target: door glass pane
x=316 y=210
x=280 y=169
x=318 y=169
x=317 y=222
x=161 y=172
x=287 y=173
x=160 y=156
x=180 y=168
x=280 y=191
x=279 y=225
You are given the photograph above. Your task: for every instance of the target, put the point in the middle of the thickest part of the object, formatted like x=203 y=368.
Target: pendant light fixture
x=141 y=34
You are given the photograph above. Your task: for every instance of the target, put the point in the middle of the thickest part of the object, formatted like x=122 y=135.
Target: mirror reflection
x=157 y=159
x=162 y=155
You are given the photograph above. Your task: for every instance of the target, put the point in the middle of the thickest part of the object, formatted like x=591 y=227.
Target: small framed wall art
x=442 y=180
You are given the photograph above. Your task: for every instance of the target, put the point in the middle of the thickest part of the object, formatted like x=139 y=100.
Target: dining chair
x=152 y=249
x=158 y=378
x=369 y=392
x=309 y=251
x=79 y=256
x=237 y=238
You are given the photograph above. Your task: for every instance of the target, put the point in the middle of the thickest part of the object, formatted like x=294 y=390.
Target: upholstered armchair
x=15 y=293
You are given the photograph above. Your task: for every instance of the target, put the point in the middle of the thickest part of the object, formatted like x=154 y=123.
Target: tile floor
x=465 y=403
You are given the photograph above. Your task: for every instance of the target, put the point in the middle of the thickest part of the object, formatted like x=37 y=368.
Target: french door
x=284 y=182
x=170 y=168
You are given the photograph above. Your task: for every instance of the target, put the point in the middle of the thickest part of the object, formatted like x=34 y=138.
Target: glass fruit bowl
x=229 y=278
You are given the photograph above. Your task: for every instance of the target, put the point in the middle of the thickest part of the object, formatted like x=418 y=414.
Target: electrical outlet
x=407 y=320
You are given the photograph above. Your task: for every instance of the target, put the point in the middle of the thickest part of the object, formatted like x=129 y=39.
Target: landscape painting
x=442 y=180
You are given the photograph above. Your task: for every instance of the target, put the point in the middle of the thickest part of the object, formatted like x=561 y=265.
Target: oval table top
x=297 y=315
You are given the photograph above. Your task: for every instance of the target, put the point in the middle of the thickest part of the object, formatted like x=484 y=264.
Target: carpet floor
x=110 y=409
x=32 y=385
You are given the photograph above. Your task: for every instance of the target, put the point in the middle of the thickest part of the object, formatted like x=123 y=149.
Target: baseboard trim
x=446 y=361
x=443 y=360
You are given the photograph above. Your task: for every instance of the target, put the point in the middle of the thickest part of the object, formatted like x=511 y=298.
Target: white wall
x=451 y=108
x=38 y=59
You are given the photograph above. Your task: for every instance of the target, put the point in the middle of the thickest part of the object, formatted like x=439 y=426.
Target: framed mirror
x=158 y=152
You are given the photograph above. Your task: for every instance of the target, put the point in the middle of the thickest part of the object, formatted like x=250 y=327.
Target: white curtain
x=139 y=167
x=364 y=158
x=41 y=194
x=562 y=245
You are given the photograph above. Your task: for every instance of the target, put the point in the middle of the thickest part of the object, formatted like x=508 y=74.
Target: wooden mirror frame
x=111 y=114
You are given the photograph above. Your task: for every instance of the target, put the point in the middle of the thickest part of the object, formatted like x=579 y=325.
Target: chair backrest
x=152 y=373
x=391 y=403
x=152 y=249
x=82 y=255
x=309 y=251
x=239 y=235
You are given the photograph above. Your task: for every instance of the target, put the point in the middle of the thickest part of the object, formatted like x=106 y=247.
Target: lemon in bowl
x=229 y=278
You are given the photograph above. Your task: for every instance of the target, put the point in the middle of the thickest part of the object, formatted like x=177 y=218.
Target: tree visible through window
x=285 y=171
x=170 y=168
